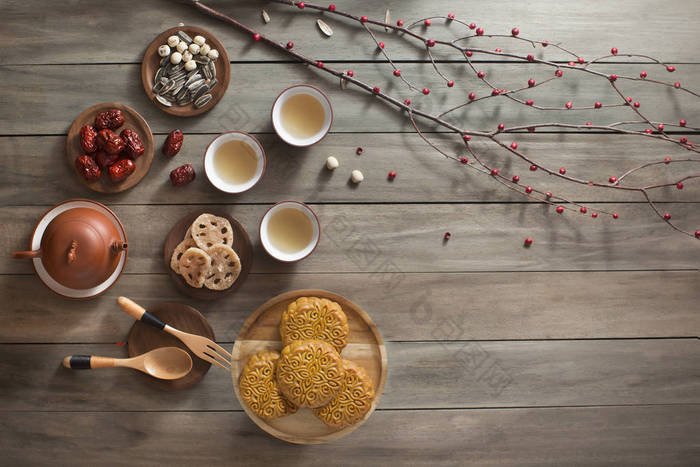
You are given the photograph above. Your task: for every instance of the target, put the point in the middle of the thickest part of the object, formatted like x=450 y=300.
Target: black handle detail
x=148 y=318
x=80 y=362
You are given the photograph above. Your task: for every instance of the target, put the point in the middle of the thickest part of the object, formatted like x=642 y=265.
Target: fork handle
x=139 y=313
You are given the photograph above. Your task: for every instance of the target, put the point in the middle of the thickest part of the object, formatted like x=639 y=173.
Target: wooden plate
x=131 y=120
x=261 y=331
x=143 y=338
x=151 y=63
x=241 y=245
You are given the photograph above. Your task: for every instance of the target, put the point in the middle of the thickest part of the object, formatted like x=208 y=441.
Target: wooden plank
x=406 y=307
x=664 y=435
x=37 y=101
x=423 y=175
x=409 y=238
x=86 y=33
x=421 y=375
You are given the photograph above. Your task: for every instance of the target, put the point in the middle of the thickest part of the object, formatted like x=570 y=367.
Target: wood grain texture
x=427 y=375
x=33 y=109
x=665 y=435
x=77 y=34
x=529 y=305
x=423 y=175
x=409 y=238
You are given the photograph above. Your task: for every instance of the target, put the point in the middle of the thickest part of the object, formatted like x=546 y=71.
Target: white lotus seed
x=332 y=163
x=191 y=65
x=357 y=176
x=182 y=46
x=175 y=58
x=186 y=56
x=204 y=50
x=213 y=54
x=163 y=50
x=173 y=41
x=194 y=49
x=199 y=40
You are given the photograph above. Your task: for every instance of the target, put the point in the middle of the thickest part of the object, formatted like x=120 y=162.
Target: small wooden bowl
x=261 y=332
x=132 y=120
x=241 y=245
x=143 y=338
x=151 y=63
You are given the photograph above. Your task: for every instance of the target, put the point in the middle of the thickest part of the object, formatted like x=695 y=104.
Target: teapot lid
x=80 y=248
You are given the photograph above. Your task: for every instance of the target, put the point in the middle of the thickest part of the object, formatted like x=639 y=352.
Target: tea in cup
x=234 y=162
x=302 y=115
x=289 y=231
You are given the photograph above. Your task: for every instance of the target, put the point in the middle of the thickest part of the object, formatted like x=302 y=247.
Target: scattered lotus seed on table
x=332 y=163
x=357 y=176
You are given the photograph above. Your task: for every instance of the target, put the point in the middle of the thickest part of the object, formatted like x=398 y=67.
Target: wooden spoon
x=163 y=363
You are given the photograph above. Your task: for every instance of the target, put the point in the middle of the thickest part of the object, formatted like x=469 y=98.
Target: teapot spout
x=118 y=246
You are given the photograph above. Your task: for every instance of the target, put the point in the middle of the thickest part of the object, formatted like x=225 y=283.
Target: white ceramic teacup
x=278 y=125
x=275 y=252
x=210 y=169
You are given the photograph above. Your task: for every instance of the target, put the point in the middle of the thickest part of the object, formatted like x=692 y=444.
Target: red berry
x=572 y=63
x=589 y=123
x=426 y=91
x=594 y=215
x=397 y=72
x=451 y=15
x=670 y=68
x=494 y=172
x=677 y=84
x=613 y=77
x=319 y=64
x=472 y=96
x=558 y=73
x=514 y=145
x=498 y=49
x=597 y=105
x=612 y=179
x=583 y=210
x=581 y=60
x=447 y=235
x=682 y=123
x=643 y=74
x=359 y=151
x=427 y=22
x=256 y=36
x=529 y=102
x=450 y=83
x=350 y=73
x=515 y=31
x=376 y=89
x=392 y=175
x=528 y=189
x=648 y=131
x=431 y=43
x=290 y=44
x=615 y=215
x=331 y=7
x=381 y=45
x=697 y=234
x=530 y=58
x=531 y=129
x=528 y=241
x=569 y=105
x=301 y=5
x=399 y=23
x=516 y=178
x=667 y=160
x=467 y=138
x=480 y=31
x=501 y=127
x=679 y=185
x=560 y=209
x=530 y=82
x=667 y=216
x=472 y=25
x=629 y=99
x=683 y=140
x=364 y=19
x=562 y=171
x=495 y=92
x=481 y=74
x=533 y=168
x=545 y=43
x=464 y=160
x=613 y=51
x=469 y=53
x=407 y=101
x=636 y=104
x=661 y=126
x=548 y=194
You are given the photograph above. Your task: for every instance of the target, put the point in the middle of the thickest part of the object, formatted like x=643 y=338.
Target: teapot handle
x=27 y=254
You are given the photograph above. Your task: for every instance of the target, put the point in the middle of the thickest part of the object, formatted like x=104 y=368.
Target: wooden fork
x=204 y=348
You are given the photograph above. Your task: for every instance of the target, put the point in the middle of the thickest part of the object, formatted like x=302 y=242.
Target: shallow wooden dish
x=132 y=120
x=261 y=331
x=143 y=338
x=151 y=63
x=241 y=245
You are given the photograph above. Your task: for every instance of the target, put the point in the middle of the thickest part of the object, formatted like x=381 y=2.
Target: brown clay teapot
x=80 y=248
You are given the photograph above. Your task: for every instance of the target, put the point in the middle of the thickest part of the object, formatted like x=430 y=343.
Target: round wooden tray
x=132 y=120
x=143 y=337
x=151 y=63
x=241 y=245
x=261 y=331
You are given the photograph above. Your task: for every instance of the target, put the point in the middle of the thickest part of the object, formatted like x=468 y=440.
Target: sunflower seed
x=159 y=73
x=185 y=101
x=157 y=87
x=164 y=80
x=265 y=16
x=165 y=61
x=343 y=83
x=163 y=101
x=325 y=29
x=212 y=83
x=181 y=94
x=192 y=73
x=178 y=67
x=202 y=101
x=192 y=79
x=212 y=67
x=207 y=72
x=195 y=84
x=387 y=19
x=185 y=37
x=202 y=60
x=200 y=91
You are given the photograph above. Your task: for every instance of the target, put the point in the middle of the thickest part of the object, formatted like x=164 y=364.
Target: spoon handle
x=139 y=313
x=88 y=362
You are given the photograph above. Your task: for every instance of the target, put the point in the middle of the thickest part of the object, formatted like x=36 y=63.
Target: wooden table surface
x=580 y=350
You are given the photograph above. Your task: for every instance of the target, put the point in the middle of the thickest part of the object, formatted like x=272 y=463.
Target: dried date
x=182 y=175
x=105 y=160
x=133 y=147
x=87 y=168
x=88 y=139
x=109 y=142
x=121 y=169
x=173 y=143
x=112 y=119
